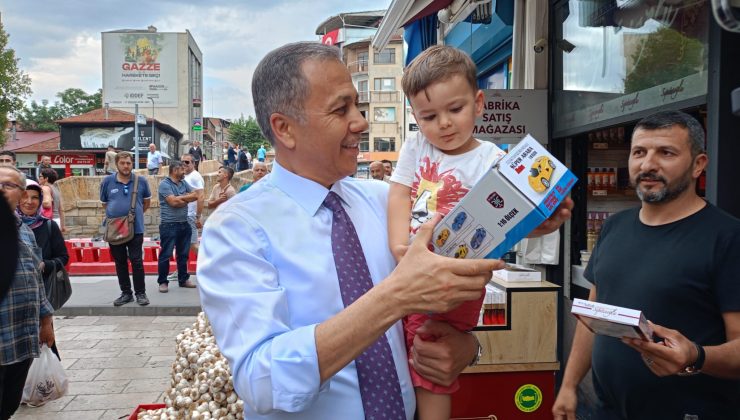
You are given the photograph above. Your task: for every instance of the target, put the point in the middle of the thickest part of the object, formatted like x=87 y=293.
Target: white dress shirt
x=267 y=278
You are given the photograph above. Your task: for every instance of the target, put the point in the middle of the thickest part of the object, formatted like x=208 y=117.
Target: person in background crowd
x=115 y=194
x=47 y=234
x=249 y=158
x=261 y=153
x=45 y=163
x=259 y=170
x=676 y=258
x=197 y=153
x=223 y=190
x=242 y=161
x=195 y=208
x=225 y=151
x=7 y=158
x=377 y=171
x=290 y=320
x=110 y=160
x=174 y=229
x=9 y=256
x=25 y=314
x=231 y=156
x=388 y=166
x=48 y=181
x=153 y=160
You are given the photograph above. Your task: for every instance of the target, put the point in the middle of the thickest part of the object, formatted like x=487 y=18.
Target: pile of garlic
x=201 y=386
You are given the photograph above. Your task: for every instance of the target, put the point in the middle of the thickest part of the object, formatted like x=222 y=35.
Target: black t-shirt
x=683 y=276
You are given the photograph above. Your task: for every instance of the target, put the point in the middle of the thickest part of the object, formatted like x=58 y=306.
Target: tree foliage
x=246 y=132
x=15 y=85
x=73 y=101
x=663 y=56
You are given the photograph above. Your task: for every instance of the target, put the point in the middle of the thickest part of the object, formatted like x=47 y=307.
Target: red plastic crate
x=135 y=414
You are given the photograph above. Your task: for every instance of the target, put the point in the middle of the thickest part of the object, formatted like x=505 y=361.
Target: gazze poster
x=511 y=114
x=138 y=66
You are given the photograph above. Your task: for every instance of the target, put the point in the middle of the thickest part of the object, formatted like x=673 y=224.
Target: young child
x=436 y=168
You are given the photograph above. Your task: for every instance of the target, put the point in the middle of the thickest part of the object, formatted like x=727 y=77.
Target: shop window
x=616 y=59
x=384 y=144
x=387 y=56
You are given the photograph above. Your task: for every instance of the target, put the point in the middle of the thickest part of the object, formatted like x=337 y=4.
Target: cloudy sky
x=58 y=42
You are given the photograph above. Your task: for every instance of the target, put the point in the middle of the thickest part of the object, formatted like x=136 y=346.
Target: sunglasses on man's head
x=125 y=190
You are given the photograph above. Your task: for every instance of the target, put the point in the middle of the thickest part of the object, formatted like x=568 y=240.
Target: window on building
x=384 y=114
x=387 y=56
x=385 y=83
x=362 y=91
x=384 y=144
x=362 y=60
x=364 y=143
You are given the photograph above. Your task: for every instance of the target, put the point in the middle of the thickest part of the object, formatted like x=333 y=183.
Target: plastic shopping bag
x=46 y=380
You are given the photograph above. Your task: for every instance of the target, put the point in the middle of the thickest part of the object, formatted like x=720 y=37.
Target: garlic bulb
x=201 y=386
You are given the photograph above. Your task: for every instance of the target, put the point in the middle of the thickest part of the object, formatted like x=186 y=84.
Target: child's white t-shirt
x=438 y=181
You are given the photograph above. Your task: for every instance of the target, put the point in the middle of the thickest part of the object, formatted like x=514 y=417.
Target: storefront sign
x=72 y=159
x=654 y=97
x=509 y=115
x=137 y=66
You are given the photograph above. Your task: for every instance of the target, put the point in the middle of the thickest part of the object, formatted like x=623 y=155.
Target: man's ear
x=282 y=130
x=700 y=163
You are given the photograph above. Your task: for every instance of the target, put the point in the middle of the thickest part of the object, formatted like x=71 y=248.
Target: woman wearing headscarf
x=48 y=236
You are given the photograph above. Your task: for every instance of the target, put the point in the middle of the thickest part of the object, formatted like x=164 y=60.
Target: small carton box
x=614 y=321
x=517 y=273
x=520 y=191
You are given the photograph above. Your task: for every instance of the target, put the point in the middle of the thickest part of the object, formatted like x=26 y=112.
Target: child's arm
x=399 y=219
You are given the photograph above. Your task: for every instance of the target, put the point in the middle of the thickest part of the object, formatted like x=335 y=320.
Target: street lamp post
x=153 y=137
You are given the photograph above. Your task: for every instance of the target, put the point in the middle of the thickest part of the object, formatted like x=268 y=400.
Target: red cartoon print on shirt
x=433 y=192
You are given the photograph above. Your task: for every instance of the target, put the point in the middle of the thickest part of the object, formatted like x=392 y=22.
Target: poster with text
x=511 y=114
x=138 y=66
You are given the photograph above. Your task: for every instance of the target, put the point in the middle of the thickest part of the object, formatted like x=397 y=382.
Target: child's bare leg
x=431 y=406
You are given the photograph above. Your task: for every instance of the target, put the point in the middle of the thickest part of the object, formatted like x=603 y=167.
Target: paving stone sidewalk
x=113 y=363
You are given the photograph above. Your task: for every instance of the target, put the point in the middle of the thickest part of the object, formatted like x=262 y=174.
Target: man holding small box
x=677 y=259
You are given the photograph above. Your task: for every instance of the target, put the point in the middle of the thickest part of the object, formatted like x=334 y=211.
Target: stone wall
x=84 y=213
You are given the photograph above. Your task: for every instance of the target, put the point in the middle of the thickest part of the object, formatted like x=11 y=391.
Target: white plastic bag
x=46 y=380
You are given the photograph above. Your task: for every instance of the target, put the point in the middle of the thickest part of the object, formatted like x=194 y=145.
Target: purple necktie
x=376 y=372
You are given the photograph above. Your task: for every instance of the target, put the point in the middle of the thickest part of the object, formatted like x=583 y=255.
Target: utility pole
x=136 y=136
x=153 y=136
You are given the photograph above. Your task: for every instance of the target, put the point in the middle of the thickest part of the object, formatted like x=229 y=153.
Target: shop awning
x=403 y=12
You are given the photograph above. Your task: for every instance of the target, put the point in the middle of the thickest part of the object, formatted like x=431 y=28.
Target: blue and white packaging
x=521 y=190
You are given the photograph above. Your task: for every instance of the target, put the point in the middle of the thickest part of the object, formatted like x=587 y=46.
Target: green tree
x=246 y=132
x=663 y=56
x=41 y=117
x=15 y=85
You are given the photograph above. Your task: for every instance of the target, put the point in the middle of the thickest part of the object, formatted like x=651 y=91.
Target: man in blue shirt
x=153 y=160
x=261 y=153
x=25 y=313
x=268 y=273
x=174 y=229
x=115 y=194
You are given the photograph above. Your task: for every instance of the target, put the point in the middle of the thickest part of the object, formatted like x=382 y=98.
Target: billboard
x=80 y=138
x=137 y=66
x=511 y=114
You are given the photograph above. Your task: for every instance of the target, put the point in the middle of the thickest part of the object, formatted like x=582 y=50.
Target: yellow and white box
x=522 y=189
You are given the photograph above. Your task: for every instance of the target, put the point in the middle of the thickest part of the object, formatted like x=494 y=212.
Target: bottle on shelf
x=612 y=179
x=589 y=179
x=590 y=232
x=597 y=178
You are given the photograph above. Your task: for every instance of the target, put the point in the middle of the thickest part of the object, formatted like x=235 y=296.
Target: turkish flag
x=330 y=38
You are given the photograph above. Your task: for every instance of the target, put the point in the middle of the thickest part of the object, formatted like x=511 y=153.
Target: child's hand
x=399 y=251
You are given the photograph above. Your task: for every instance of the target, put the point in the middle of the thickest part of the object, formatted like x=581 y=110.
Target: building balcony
x=358 y=66
x=379 y=97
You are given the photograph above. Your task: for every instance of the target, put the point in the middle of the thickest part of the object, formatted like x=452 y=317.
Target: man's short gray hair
x=279 y=84
x=21 y=175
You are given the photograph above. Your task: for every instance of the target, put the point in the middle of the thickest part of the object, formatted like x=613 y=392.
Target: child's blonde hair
x=438 y=63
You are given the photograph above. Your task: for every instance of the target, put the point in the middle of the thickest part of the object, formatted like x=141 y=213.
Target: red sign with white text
x=73 y=159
